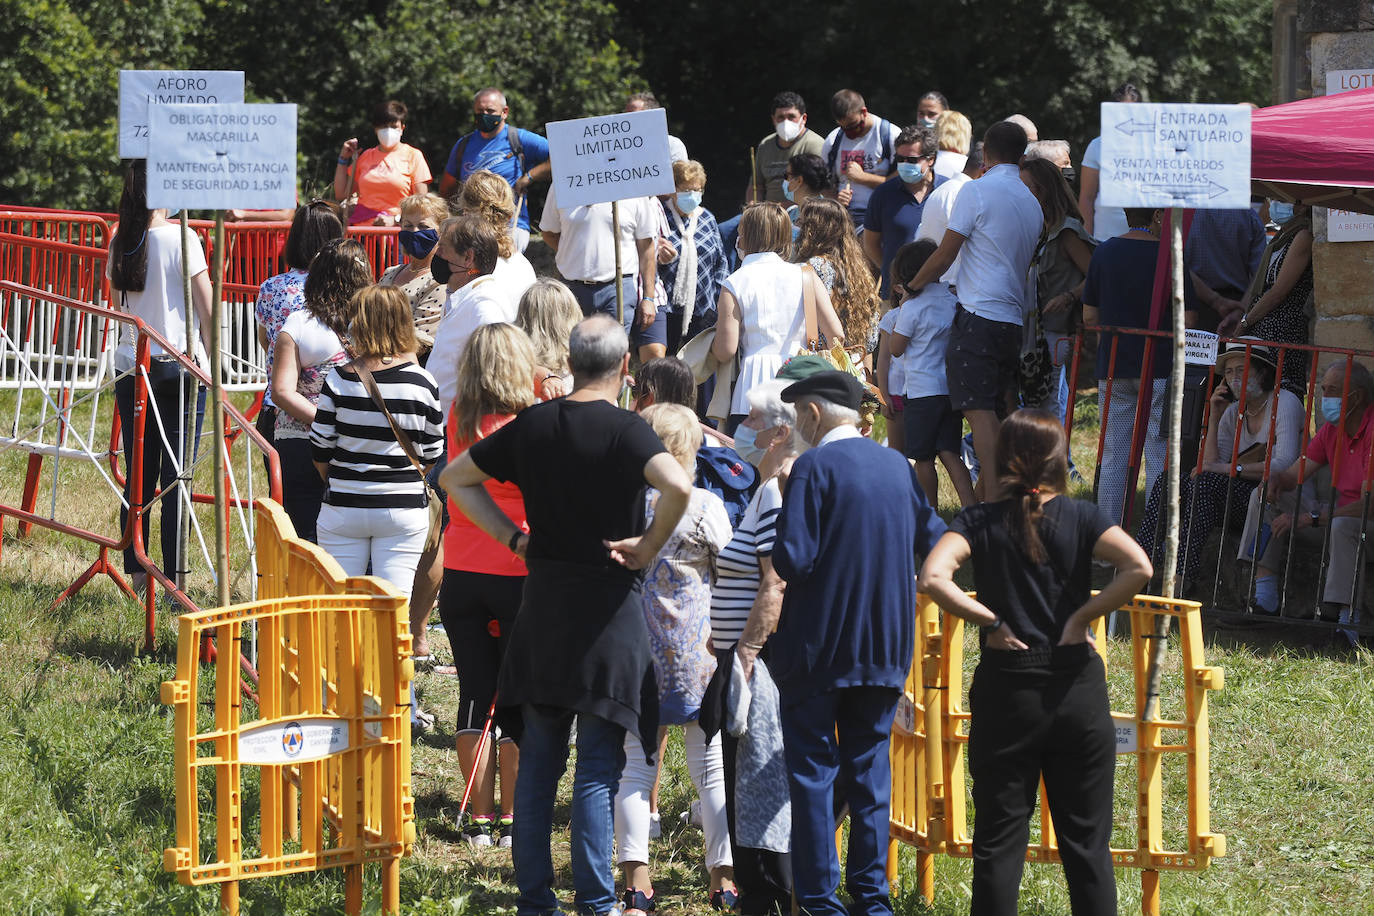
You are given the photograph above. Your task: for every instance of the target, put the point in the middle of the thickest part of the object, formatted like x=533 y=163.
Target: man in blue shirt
x=894 y=210
x=490 y=147
x=853 y=520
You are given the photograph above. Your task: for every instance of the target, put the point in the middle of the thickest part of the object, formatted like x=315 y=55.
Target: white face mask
x=387 y=137
x=787 y=131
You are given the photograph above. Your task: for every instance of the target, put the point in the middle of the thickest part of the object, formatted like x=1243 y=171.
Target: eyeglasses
x=909 y=158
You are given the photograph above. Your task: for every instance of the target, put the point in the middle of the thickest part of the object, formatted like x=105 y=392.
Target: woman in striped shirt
x=745 y=603
x=375 y=504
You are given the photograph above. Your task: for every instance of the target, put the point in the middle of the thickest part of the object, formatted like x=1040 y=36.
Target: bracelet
x=343 y=161
x=647 y=299
x=547 y=377
x=995 y=625
x=749 y=645
x=513 y=539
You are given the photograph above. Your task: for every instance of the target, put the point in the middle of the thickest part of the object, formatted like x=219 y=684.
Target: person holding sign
x=382 y=175
x=582 y=243
x=145 y=268
x=1039 y=696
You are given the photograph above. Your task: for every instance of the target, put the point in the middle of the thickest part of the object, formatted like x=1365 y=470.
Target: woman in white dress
x=761 y=317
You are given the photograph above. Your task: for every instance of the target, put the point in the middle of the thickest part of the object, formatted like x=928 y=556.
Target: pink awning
x=1319 y=151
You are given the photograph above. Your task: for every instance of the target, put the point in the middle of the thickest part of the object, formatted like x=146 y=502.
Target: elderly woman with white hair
x=745 y=603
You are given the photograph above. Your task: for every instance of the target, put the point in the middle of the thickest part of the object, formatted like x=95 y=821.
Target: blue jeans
x=543 y=758
x=599 y=298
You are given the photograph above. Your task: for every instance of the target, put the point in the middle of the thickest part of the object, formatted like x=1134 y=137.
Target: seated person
x=1344 y=442
x=1233 y=455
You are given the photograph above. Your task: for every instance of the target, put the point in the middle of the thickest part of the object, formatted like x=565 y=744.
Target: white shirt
x=925 y=321
x=514 y=274
x=584 y=244
x=161 y=304
x=1000 y=220
x=843 y=431
x=1108 y=222
x=483 y=301
x=867 y=151
x=935 y=219
x=948 y=163
x=896 y=370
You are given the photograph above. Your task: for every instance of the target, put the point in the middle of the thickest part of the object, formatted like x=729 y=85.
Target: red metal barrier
x=64 y=397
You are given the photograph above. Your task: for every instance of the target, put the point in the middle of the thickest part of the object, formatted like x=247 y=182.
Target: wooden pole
x=1175 y=407
x=619 y=270
x=188 y=418
x=754 y=174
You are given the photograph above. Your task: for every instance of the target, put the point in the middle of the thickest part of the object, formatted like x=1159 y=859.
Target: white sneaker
x=655 y=825
x=692 y=816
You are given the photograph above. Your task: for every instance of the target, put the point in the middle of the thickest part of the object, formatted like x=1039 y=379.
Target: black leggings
x=478 y=611
x=1034 y=712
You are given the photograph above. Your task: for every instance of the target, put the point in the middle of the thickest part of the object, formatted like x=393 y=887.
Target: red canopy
x=1318 y=151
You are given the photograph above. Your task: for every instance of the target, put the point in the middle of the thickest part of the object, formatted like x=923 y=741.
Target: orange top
x=467 y=547
x=385 y=179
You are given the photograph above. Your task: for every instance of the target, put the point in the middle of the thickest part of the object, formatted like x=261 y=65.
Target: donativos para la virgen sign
x=1175 y=155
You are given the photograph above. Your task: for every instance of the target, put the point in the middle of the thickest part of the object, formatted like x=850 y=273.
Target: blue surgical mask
x=1331 y=410
x=418 y=243
x=172 y=214
x=787 y=191
x=911 y=172
x=1280 y=211
x=925 y=122
x=746 y=446
x=687 y=201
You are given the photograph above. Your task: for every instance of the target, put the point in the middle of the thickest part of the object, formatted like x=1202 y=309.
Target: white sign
x=139 y=89
x=293 y=742
x=1126 y=740
x=616 y=157
x=1199 y=348
x=1175 y=155
x=1343 y=225
x=905 y=720
x=217 y=157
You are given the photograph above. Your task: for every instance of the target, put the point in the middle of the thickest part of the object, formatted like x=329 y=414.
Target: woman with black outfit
x=1039 y=695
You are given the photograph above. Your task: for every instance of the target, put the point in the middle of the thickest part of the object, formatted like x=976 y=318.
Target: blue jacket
x=853 y=521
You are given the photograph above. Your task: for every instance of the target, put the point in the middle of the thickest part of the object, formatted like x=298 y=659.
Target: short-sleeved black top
x=580 y=467
x=1035 y=600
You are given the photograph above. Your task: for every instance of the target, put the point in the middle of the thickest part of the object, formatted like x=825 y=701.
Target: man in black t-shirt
x=579 y=645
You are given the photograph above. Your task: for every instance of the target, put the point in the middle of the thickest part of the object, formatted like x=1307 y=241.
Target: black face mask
x=1069 y=174
x=440 y=269
x=487 y=123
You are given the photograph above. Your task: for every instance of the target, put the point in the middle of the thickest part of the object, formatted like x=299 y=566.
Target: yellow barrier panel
x=331 y=735
x=929 y=795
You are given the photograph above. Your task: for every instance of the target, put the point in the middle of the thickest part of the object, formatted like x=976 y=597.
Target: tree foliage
x=714 y=64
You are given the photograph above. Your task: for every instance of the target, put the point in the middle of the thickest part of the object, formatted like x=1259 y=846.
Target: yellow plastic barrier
x=929 y=795
x=330 y=732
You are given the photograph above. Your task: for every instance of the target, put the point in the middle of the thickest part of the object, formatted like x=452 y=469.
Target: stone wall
x=1339 y=35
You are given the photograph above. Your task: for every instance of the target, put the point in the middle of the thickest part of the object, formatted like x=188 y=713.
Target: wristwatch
x=996 y=624
x=1240 y=468
x=1316 y=518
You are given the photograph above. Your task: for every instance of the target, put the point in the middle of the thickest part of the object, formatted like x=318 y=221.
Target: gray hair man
x=579 y=646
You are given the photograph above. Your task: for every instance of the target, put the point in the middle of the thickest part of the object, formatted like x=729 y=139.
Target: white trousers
x=1119 y=416
x=391 y=540
x=707 y=769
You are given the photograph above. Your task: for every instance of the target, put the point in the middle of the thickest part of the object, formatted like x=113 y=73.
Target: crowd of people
x=738 y=555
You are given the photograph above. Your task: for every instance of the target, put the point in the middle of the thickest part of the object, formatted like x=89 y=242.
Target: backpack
x=516 y=147
x=884 y=148
x=723 y=472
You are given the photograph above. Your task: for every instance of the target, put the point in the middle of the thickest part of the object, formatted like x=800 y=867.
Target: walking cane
x=476 y=760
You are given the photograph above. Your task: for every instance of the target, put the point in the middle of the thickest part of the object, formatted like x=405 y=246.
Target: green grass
x=86 y=791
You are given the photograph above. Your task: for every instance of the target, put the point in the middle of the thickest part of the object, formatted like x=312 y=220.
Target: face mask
x=687 y=201
x=787 y=131
x=854 y=133
x=910 y=172
x=440 y=269
x=787 y=190
x=1331 y=410
x=172 y=214
x=418 y=243
x=925 y=122
x=1069 y=175
x=487 y=123
x=807 y=434
x=387 y=137
x=1280 y=211
x=747 y=446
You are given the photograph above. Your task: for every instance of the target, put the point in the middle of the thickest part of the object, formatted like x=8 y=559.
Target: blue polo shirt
x=496 y=155
x=896 y=213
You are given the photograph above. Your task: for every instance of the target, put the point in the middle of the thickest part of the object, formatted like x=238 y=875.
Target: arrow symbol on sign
x=1182 y=192
x=1135 y=127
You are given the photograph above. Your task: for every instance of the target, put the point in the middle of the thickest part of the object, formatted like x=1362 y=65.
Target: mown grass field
x=86 y=788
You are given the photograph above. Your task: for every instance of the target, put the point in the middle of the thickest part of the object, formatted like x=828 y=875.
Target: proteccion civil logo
x=292 y=739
